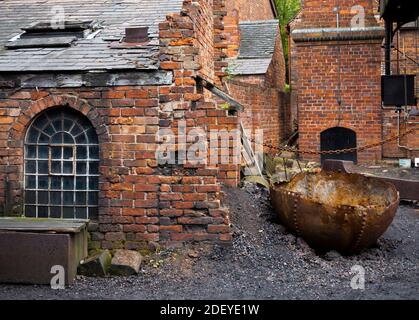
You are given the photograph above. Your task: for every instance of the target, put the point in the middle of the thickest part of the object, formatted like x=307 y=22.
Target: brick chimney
x=232 y=31
x=336 y=62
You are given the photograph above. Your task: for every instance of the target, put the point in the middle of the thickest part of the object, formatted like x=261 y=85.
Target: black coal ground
x=264 y=262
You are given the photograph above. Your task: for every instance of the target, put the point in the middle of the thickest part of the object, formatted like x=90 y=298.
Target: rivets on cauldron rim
x=362 y=231
x=297 y=229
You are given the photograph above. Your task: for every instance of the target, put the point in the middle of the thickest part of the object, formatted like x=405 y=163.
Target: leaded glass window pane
x=61 y=166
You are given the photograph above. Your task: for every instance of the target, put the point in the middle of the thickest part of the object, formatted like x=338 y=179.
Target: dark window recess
x=61 y=174
x=45 y=34
x=136 y=35
x=78 y=29
x=338 y=138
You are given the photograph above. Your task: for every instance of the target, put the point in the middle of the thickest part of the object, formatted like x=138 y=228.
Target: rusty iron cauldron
x=336 y=211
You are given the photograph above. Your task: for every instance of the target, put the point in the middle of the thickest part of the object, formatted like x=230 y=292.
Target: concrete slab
x=29 y=250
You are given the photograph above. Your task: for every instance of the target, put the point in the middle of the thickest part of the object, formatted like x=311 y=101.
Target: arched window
x=61 y=166
x=338 y=138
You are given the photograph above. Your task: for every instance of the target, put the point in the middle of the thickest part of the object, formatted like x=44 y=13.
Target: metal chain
x=340 y=151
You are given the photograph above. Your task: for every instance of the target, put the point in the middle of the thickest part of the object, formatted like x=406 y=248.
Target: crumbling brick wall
x=140 y=200
x=232 y=31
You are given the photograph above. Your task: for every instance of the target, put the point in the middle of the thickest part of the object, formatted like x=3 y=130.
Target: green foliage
x=230 y=71
x=287 y=9
x=225 y=106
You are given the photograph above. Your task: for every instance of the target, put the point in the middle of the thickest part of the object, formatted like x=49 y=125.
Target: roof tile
x=84 y=54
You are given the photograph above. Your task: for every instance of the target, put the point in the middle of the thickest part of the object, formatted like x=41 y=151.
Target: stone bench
x=29 y=248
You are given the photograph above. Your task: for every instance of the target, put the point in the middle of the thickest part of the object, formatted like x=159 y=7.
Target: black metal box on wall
x=398 y=90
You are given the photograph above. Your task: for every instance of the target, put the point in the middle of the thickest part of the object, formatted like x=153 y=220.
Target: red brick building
x=336 y=61
x=256 y=72
x=81 y=106
x=85 y=88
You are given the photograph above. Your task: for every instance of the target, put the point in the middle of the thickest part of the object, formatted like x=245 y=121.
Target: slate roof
x=257 y=46
x=84 y=54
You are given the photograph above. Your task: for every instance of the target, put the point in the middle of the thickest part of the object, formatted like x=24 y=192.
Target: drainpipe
x=398 y=52
x=289 y=56
x=387 y=49
x=389 y=33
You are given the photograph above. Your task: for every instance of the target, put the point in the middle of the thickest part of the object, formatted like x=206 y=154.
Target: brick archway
x=337 y=138
x=17 y=134
x=18 y=129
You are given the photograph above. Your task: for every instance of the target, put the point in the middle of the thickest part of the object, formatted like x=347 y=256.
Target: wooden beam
x=88 y=79
x=234 y=104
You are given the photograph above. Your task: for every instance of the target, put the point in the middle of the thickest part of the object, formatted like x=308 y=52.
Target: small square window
x=68 y=153
x=68 y=198
x=43 y=152
x=67 y=167
x=55 y=167
x=43 y=197
x=93 y=198
x=93 y=183
x=81 y=168
x=81 y=213
x=56 y=183
x=68 y=212
x=80 y=198
x=56 y=197
x=94 y=152
x=30 y=197
x=43 y=212
x=43 y=182
x=94 y=168
x=55 y=212
x=68 y=183
x=30 y=182
x=30 y=152
x=30 y=211
x=81 y=152
x=56 y=153
x=81 y=183
x=31 y=166
x=43 y=167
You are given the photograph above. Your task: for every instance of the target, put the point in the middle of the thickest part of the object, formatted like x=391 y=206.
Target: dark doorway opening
x=338 y=138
